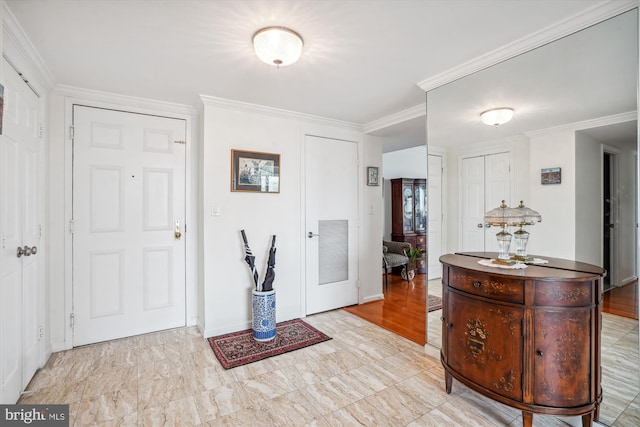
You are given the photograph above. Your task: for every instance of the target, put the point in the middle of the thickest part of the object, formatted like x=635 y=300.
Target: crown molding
x=393 y=119
x=125 y=100
x=276 y=112
x=587 y=124
x=20 y=51
x=546 y=35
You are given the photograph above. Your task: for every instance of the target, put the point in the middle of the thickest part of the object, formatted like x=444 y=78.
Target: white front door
x=128 y=213
x=434 y=212
x=331 y=209
x=485 y=182
x=21 y=256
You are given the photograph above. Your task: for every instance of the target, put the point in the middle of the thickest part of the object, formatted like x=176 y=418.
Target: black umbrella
x=250 y=259
x=267 y=285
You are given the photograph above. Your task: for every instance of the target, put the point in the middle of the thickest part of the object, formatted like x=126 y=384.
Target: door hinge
x=179 y=142
x=185 y=228
x=40 y=333
x=40 y=231
x=72 y=320
x=72 y=226
x=71 y=132
x=40 y=130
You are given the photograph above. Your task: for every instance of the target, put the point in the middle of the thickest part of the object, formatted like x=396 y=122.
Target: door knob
x=27 y=250
x=20 y=252
x=177 y=232
x=311 y=235
x=479 y=225
x=34 y=250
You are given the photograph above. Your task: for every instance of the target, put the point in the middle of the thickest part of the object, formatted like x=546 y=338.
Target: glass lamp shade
x=529 y=216
x=503 y=216
x=497 y=116
x=277 y=46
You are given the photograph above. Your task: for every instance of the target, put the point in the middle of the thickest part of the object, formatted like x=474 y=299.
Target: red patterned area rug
x=433 y=303
x=239 y=348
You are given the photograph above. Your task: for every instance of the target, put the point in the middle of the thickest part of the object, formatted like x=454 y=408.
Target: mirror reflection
x=575 y=116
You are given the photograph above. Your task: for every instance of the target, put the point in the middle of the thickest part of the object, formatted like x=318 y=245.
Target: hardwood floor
x=622 y=301
x=403 y=309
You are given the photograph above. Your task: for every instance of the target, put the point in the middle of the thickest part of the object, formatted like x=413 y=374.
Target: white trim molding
x=394 y=119
x=277 y=112
x=587 y=124
x=553 y=32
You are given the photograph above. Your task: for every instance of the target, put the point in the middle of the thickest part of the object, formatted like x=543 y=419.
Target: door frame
x=615 y=217
x=73 y=96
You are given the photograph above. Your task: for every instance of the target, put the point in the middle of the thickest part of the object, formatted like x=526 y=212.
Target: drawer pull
x=477 y=284
x=539 y=352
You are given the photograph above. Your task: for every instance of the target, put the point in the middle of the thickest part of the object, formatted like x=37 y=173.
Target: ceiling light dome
x=497 y=116
x=277 y=46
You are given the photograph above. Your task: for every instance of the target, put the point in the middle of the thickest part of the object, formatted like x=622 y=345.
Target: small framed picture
x=372 y=175
x=550 y=176
x=254 y=171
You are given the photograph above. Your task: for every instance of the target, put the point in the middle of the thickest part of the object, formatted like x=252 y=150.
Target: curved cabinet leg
x=527 y=419
x=448 y=381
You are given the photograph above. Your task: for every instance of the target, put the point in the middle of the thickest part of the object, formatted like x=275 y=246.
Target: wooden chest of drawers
x=528 y=338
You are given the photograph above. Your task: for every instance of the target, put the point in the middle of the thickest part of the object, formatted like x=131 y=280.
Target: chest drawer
x=487 y=285
x=564 y=294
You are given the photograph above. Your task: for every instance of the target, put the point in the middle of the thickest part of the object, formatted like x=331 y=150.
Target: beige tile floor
x=365 y=375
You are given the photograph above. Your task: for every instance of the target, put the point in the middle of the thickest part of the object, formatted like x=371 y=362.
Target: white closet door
x=484 y=181
x=20 y=193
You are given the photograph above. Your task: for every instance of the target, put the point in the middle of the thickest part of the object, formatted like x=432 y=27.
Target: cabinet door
x=562 y=358
x=484 y=343
x=407 y=208
x=420 y=192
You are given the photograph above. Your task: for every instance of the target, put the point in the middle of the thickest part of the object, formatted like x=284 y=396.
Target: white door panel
x=485 y=182
x=129 y=192
x=20 y=193
x=331 y=206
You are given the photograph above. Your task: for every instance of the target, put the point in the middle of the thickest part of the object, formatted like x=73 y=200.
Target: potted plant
x=409 y=271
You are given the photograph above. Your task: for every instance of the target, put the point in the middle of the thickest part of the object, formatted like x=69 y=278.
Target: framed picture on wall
x=255 y=171
x=373 y=175
x=550 y=176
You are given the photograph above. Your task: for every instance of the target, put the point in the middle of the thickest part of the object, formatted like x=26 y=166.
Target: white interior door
x=485 y=182
x=331 y=206
x=128 y=205
x=20 y=192
x=434 y=240
x=497 y=187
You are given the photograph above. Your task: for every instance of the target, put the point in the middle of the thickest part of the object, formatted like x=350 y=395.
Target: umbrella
x=267 y=285
x=250 y=259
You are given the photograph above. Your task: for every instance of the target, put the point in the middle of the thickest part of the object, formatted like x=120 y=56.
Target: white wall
x=588 y=190
x=555 y=235
x=409 y=163
x=226 y=279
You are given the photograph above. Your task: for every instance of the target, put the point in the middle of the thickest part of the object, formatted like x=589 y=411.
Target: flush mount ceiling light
x=497 y=116
x=277 y=46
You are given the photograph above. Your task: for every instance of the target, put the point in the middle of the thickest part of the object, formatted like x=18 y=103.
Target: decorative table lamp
x=521 y=236
x=503 y=216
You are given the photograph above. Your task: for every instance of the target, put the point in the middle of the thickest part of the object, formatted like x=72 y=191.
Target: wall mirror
x=575 y=103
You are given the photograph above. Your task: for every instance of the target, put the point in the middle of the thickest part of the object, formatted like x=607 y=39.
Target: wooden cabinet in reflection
x=528 y=338
x=409 y=214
